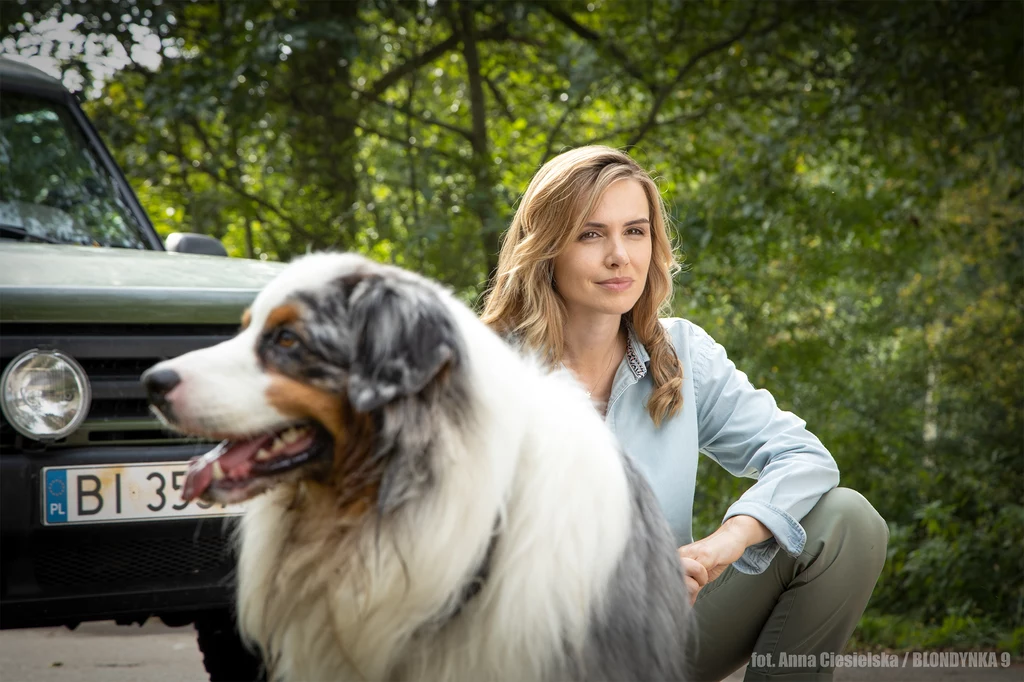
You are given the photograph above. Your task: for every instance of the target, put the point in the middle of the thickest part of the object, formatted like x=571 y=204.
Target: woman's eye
x=286 y=339
x=589 y=235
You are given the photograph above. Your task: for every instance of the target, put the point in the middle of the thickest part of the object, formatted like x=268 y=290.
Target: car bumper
x=69 y=573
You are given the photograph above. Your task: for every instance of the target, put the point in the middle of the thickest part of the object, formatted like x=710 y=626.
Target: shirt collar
x=636 y=355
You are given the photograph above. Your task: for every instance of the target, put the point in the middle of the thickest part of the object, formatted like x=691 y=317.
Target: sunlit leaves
x=844 y=180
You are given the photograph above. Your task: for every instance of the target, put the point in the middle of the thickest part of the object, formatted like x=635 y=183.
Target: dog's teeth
x=290 y=436
x=218 y=471
x=279 y=444
x=263 y=455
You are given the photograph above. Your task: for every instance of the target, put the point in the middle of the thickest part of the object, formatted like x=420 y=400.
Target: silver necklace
x=611 y=356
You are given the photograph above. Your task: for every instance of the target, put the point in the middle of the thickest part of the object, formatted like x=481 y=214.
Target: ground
x=157 y=653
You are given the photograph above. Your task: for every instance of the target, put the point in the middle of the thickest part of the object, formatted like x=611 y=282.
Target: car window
x=53 y=188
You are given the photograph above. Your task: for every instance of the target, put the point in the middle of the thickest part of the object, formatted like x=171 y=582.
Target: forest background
x=845 y=181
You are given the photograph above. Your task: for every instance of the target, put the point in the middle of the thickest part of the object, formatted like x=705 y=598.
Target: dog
x=422 y=501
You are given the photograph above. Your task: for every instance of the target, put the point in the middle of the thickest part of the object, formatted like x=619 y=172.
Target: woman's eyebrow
x=593 y=223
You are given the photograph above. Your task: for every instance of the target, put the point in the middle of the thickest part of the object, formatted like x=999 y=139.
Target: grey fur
x=385 y=337
x=388 y=336
x=640 y=633
x=382 y=335
x=407 y=338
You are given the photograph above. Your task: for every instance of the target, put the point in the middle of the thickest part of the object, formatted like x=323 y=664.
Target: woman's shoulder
x=685 y=333
x=693 y=345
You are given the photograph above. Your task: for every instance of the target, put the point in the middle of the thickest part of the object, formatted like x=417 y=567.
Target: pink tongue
x=230 y=455
x=240 y=452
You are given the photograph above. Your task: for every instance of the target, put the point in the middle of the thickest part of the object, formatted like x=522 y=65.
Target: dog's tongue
x=232 y=456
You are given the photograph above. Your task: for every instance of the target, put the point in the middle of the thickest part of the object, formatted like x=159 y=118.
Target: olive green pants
x=786 y=623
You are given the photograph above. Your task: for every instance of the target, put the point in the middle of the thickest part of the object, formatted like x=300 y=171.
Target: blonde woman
x=583 y=273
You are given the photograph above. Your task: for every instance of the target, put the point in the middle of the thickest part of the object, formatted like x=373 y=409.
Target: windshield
x=53 y=188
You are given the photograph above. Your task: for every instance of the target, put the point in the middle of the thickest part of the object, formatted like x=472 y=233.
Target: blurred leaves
x=844 y=178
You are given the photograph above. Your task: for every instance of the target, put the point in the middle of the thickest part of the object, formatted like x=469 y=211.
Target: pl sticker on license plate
x=122 y=492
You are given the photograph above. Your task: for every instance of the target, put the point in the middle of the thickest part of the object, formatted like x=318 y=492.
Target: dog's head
x=326 y=352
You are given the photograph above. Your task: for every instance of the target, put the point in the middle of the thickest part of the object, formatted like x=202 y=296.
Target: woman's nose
x=617 y=254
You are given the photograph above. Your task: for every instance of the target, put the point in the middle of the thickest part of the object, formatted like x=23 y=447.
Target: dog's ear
x=405 y=336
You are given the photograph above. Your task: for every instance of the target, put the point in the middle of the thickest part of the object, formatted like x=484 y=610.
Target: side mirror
x=189 y=242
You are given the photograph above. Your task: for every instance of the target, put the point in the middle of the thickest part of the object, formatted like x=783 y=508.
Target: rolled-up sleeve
x=743 y=430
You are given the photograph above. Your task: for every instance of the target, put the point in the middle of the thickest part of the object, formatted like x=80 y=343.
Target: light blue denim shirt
x=739 y=427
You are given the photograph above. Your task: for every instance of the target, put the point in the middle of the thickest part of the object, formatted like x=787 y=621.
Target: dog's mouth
x=238 y=469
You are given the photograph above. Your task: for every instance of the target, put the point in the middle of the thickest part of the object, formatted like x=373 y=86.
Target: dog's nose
x=158 y=383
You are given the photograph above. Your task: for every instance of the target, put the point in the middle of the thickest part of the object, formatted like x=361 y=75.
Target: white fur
x=345 y=599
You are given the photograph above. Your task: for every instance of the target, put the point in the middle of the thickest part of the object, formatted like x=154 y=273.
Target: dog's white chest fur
x=355 y=562
x=340 y=602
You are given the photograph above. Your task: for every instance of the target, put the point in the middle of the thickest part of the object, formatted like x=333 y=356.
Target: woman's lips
x=616 y=284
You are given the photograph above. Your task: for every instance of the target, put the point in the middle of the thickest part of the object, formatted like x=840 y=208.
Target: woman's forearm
x=749 y=530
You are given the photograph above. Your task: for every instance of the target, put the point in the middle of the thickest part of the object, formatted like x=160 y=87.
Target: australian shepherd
x=422 y=501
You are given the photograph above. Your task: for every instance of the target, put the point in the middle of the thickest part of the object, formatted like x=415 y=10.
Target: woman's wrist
x=746 y=530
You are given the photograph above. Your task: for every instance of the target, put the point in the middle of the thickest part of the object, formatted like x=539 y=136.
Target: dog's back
x=641 y=633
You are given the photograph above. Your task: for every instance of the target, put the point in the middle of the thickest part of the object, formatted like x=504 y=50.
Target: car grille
x=122 y=565
x=114 y=356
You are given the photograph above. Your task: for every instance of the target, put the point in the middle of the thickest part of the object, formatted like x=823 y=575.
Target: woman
x=583 y=273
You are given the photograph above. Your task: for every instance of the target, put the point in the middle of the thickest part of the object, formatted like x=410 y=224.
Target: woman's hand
x=696 y=575
x=714 y=553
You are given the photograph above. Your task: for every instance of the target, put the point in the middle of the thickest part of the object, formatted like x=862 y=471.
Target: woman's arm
x=744 y=430
x=705 y=560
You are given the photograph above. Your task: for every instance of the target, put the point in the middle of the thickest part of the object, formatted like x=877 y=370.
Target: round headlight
x=44 y=394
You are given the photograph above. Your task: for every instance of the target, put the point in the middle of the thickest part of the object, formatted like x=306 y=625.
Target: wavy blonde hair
x=522 y=301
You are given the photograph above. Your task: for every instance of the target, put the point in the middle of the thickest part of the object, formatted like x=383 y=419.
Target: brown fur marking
x=302 y=401
x=352 y=480
x=282 y=314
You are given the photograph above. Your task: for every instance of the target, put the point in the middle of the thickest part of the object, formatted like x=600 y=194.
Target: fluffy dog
x=422 y=502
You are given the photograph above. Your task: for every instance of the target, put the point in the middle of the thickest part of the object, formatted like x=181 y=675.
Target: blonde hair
x=522 y=301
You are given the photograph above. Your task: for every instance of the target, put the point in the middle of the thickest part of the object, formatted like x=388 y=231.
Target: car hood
x=51 y=282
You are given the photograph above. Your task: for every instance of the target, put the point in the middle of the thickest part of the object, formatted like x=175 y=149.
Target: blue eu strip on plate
x=56 y=496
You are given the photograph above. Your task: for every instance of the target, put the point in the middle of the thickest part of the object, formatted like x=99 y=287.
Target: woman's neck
x=593 y=350
x=590 y=341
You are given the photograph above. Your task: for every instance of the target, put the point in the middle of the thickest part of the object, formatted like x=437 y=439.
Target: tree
x=845 y=179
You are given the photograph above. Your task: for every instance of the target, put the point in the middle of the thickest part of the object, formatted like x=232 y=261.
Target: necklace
x=611 y=356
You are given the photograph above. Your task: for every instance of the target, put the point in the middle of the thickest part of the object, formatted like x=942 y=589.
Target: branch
x=709 y=50
x=569 y=110
x=424 y=118
x=591 y=36
x=408 y=66
x=225 y=179
x=365 y=127
x=240 y=191
x=500 y=99
x=268 y=234
x=752 y=95
x=405 y=142
x=413 y=181
x=477 y=103
x=681 y=118
x=380 y=86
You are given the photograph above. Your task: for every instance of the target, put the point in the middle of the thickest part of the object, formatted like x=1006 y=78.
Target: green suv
x=92 y=525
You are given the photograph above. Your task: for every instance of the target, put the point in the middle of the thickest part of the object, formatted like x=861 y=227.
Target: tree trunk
x=481 y=195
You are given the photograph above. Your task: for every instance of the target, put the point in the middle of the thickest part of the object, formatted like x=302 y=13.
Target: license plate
x=121 y=492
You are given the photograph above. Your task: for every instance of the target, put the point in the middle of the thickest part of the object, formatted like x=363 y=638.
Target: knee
x=863 y=531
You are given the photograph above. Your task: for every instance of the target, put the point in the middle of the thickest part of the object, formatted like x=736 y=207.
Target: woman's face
x=604 y=270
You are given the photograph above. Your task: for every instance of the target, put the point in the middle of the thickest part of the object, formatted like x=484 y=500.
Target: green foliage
x=844 y=178
x=900 y=633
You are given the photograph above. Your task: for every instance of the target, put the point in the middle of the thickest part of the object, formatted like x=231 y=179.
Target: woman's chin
x=602 y=302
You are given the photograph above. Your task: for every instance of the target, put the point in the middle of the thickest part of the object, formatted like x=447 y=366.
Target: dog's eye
x=285 y=338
